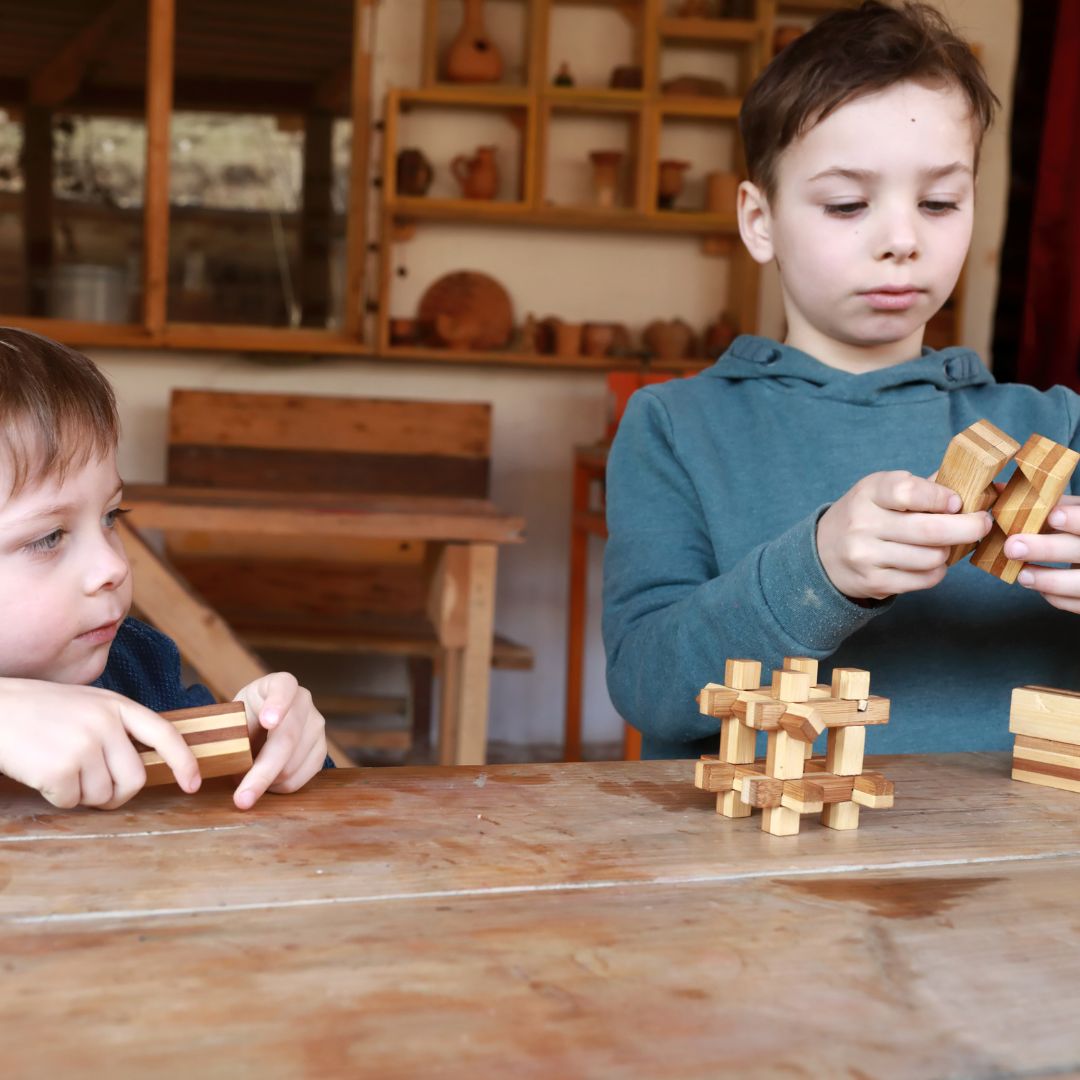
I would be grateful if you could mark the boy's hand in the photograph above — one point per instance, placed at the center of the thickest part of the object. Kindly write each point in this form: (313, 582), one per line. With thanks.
(891, 533)
(295, 746)
(73, 743)
(1061, 588)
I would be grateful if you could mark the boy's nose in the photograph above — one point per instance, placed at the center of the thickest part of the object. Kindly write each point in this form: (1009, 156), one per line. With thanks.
(108, 567)
(899, 240)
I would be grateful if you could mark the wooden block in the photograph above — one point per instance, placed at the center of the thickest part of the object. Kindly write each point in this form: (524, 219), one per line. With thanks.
(803, 796)
(804, 664)
(850, 683)
(1043, 468)
(973, 458)
(873, 791)
(841, 815)
(803, 721)
(834, 788)
(785, 757)
(761, 791)
(791, 685)
(1045, 713)
(218, 737)
(1047, 775)
(874, 710)
(713, 775)
(716, 700)
(742, 674)
(1025, 748)
(780, 821)
(760, 711)
(820, 691)
(737, 741)
(844, 754)
(730, 805)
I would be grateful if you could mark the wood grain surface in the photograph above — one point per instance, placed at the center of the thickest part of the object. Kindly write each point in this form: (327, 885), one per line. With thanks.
(543, 921)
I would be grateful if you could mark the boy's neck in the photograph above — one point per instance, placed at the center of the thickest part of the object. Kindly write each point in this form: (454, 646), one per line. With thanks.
(857, 359)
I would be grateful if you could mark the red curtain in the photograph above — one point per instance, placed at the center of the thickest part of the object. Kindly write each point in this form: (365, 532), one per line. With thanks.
(1050, 345)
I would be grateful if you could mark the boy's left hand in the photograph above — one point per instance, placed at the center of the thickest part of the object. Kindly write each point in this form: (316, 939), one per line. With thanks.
(1061, 588)
(295, 738)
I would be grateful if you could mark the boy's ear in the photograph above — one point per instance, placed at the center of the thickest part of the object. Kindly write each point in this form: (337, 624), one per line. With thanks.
(755, 222)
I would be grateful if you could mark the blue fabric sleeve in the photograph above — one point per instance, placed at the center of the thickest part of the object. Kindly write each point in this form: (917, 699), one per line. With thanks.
(672, 615)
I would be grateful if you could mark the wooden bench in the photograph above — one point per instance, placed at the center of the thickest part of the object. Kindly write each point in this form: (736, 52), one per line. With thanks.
(289, 593)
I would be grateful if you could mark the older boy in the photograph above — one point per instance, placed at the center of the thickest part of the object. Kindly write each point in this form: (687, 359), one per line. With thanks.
(78, 678)
(776, 504)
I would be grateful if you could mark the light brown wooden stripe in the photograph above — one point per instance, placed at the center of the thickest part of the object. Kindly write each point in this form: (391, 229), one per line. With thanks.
(200, 738)
(222, 708)
(1046, 768)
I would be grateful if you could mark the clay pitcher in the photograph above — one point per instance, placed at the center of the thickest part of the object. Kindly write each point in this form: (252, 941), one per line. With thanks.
(478, 175)
(472, 56)
(668, 340)
(670, 182)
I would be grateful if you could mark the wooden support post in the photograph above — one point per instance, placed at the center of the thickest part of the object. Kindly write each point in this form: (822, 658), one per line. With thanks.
(316, 218)
(159, 99)
(37, 207)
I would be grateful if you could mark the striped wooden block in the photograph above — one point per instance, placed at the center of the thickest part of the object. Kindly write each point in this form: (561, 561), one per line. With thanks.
(218, 737)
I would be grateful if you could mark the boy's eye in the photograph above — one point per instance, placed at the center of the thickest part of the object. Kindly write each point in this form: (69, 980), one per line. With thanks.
(112, 515)
(46, 543)
(939, 206)
(844, 209)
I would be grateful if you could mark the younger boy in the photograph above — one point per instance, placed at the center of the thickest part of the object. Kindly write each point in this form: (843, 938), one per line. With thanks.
(78, 678)
(778, 504)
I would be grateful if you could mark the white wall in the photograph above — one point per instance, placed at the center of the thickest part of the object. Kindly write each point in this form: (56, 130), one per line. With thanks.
(539, 415)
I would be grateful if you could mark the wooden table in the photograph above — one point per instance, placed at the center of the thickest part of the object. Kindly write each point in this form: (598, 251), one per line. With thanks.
(543, 921)
(465, 533)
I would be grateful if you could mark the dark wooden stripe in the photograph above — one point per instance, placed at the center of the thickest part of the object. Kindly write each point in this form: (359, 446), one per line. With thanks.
(330, 471)
(1044, 768)
(222, 708)
(199, 738)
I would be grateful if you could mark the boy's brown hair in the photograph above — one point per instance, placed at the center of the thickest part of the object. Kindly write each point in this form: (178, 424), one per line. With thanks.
(56, 409)
(846, 55)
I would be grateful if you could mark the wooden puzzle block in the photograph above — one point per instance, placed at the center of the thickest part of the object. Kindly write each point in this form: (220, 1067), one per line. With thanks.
(1046, 775)
(731, 805)
(218, 737)
(804, 664)
(841, 815)
(1054, 753)
(761, 711)
(844, 753)
(833, 788)
(713, 775)
(716, 700)
(873, 791)
(791, 685)
(803, 796)
(1043, 468)
(738, 742)
(851, 684)
(874, 710)
(784, 758)
(742, 674)
(803, 722)
(780, 821)
(760, 791)
(1044, 713)
(972, 460)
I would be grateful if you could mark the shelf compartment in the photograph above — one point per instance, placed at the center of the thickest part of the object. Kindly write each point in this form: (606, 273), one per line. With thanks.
(743, 31)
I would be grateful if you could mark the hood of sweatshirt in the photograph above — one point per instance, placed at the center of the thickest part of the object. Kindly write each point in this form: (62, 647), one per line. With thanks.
(751, 357)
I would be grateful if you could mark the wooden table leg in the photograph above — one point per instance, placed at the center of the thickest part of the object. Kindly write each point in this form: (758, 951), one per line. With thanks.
(461, 605)
(575, 631)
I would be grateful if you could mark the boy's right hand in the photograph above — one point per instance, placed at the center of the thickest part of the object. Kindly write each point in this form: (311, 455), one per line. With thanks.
(891, 533)
(73, 743)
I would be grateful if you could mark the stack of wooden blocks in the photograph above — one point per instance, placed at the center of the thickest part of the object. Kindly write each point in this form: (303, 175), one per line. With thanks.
(790, 782)
(1046, 724)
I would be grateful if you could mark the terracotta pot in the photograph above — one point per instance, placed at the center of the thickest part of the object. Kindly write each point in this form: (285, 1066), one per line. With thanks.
(568, 339)
(403, 331)
(472, 56)
(597, 338)
(478, 175)
(465, 310)
(414, 172)
(626, 77)
(720, 334)
(605, 165)
(670, 182)
(668, 340)
(721, 192)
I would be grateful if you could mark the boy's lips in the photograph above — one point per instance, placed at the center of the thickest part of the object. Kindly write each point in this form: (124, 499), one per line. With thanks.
(100, 634)
(892, 297)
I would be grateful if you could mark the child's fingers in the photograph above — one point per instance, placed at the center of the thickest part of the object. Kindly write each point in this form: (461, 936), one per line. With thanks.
(95, 780)
(1050, 582)
(1065, 517)
(126, 769)
(151, 730)
(268, 766)
(935, 530)
(296, 776)
(1063, 547)
(278, 692)
(905, 491)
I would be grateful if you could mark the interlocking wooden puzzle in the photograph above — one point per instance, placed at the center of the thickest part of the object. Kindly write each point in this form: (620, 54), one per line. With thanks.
(793, 712)
(972, 460)
(1046, 724)
(218, 737)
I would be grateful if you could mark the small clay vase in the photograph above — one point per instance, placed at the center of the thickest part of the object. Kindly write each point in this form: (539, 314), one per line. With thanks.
(597, 338)
(627, 77)
(605, 166)
(720, 334)
(472, 56)
(414, 173)
(564, 76)
(568, 340)
(670, 182)
(721, 192)
(527, 339)
(670, 339)
(403, 331)
(478, 175)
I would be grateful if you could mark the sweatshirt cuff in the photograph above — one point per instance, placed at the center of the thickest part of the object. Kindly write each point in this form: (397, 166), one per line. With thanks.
(801, 597)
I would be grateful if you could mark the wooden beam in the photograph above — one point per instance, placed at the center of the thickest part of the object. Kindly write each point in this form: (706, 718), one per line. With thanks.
(59, 79)
(359, 163)
(161, 15)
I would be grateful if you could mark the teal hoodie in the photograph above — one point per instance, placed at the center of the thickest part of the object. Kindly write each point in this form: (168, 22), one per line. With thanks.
(714, 488)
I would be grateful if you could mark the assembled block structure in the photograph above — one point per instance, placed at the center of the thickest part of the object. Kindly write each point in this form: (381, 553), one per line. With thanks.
(794, 711)
(1046, 724)
(218, 737)
(972, 460)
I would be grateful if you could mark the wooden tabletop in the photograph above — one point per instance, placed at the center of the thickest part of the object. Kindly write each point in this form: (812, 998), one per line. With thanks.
(281, 513)
(543, 921)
